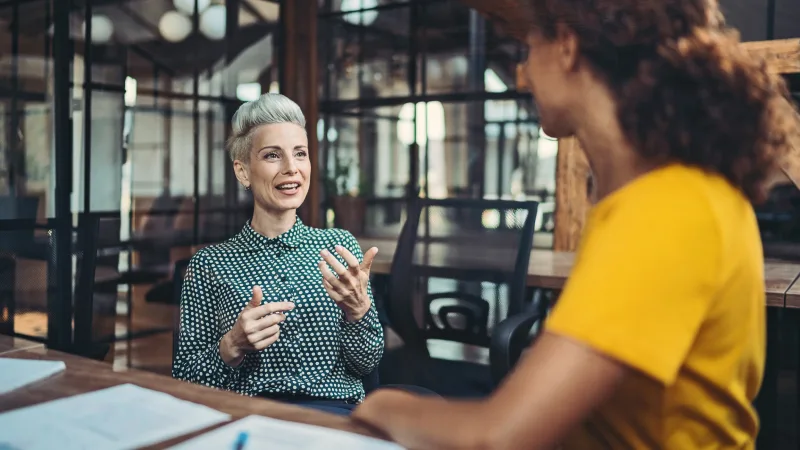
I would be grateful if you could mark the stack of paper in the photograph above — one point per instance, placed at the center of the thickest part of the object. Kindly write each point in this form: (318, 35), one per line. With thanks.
(15, 373)
(120, 417)
(272, 434)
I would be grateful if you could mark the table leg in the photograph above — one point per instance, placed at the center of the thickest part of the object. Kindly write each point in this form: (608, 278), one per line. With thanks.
(766, 402)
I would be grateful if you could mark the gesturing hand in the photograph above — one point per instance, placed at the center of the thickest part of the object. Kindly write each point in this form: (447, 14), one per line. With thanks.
(348, 288)
(255, 329)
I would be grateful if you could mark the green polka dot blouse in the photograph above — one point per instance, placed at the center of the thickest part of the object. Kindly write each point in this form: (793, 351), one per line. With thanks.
(318, 354)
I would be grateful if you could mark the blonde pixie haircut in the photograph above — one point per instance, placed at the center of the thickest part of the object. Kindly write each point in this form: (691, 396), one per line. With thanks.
(265, 110)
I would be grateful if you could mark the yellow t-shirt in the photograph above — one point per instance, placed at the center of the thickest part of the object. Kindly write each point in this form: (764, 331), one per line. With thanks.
(669, 280)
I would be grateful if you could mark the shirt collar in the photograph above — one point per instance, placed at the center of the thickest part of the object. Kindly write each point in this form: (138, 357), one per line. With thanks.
(291, 239)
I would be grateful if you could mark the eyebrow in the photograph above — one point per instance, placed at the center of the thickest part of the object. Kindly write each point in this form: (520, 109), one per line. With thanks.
(277, 147)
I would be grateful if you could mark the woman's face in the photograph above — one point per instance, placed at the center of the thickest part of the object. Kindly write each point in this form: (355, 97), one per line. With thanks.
(279, 169)
(550, 73)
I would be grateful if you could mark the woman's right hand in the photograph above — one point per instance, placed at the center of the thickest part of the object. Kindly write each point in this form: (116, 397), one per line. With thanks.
(254, 330)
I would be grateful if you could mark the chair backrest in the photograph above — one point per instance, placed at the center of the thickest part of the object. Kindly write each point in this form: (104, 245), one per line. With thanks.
(17, 208)
(85, 336)
(384, 217)
(460, 266)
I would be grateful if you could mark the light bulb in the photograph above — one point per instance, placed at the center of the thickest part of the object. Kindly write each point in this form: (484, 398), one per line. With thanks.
(174, 26)
(212, 22)
(187, 6)
(102, 29)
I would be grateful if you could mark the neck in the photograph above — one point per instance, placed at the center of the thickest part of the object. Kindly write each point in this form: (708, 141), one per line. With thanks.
(613, 160)
(273, 223)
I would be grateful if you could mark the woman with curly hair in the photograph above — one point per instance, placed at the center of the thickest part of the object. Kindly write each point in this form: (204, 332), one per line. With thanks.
(658, 338)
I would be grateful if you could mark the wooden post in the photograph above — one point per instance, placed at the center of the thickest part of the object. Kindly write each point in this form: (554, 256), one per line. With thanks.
(572, 194)
(299, 82)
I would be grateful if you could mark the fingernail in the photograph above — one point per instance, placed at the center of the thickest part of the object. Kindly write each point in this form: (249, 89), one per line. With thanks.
(324, 252)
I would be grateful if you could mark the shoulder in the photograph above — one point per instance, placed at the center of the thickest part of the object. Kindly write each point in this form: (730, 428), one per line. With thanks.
(331, 237)
(215, 256)
(335, 236)
(670, 200)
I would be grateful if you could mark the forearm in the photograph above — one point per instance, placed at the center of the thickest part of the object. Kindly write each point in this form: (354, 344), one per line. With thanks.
(362, 343)
(420, 422)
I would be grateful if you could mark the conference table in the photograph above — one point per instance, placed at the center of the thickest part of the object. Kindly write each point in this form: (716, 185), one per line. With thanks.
(549, 269)
(11, 344)
(85, 375)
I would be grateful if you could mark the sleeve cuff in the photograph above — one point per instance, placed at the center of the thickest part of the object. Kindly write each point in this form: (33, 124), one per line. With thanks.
(224, 368)
(367, 322)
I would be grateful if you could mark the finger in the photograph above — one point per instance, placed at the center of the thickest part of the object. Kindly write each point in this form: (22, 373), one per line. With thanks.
(266, 309)
(337, 267)
(332, 293)
(267, 342)
(257, 298)
(327, 275)
(263, 334)
(369, 258)
(352, 261)
(254, 326)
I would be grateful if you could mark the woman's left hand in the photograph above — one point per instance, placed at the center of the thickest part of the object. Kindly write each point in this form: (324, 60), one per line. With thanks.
(348, 288)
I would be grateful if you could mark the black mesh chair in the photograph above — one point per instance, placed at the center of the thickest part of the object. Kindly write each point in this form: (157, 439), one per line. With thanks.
(460, 267)
(510, 339)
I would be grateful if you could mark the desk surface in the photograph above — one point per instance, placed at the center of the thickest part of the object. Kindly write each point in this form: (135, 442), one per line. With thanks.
(793, 294)
(85, 375)
(9, 344)
(549, 269)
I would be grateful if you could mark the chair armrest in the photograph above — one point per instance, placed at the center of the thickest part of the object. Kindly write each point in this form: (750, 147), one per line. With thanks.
(509, 339)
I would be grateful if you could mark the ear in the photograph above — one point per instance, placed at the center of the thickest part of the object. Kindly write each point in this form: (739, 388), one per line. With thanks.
(242, 172)
(567, 47)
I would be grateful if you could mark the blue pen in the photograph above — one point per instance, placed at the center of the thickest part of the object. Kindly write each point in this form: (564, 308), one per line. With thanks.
(240, 441)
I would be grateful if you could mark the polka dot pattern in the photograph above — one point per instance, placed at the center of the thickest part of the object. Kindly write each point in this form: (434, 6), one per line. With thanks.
(318, 353)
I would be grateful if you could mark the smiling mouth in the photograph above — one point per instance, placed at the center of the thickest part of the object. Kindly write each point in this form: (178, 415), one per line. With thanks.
(288, 186)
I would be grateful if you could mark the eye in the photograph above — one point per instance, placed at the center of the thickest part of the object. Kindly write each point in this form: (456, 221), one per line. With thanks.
(271, 155)
(300, 154)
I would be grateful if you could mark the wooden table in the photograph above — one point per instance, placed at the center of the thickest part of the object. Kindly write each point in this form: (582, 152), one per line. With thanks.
(10, 344)
(793, 300)
(85, 375)
(549, 269)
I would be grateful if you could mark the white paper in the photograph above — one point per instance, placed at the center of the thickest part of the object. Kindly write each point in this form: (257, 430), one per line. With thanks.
(273, 434)
(120, 417)
(16, 372)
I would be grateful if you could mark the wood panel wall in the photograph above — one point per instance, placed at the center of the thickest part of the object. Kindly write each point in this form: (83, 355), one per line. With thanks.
(298, 81)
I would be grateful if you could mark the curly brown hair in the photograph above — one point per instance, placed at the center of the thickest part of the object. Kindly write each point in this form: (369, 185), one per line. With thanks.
(685, 89)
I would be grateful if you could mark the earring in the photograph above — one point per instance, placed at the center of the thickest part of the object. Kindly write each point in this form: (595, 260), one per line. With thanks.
(247, 188)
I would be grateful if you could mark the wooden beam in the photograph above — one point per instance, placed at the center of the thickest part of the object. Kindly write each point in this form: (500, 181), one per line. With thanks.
(299, 82)
(782, 56)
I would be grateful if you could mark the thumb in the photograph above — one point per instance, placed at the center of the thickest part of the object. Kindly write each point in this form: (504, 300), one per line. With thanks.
(257, 298)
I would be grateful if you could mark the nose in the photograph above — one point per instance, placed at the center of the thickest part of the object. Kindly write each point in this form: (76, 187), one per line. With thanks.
(289, 166)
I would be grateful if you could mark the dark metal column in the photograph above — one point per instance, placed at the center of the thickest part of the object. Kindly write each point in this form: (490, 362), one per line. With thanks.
(413, 59)
(59, 300)
(770, 19)
(229, 108)
(16, 158)
(196, 133)
(476, 145)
